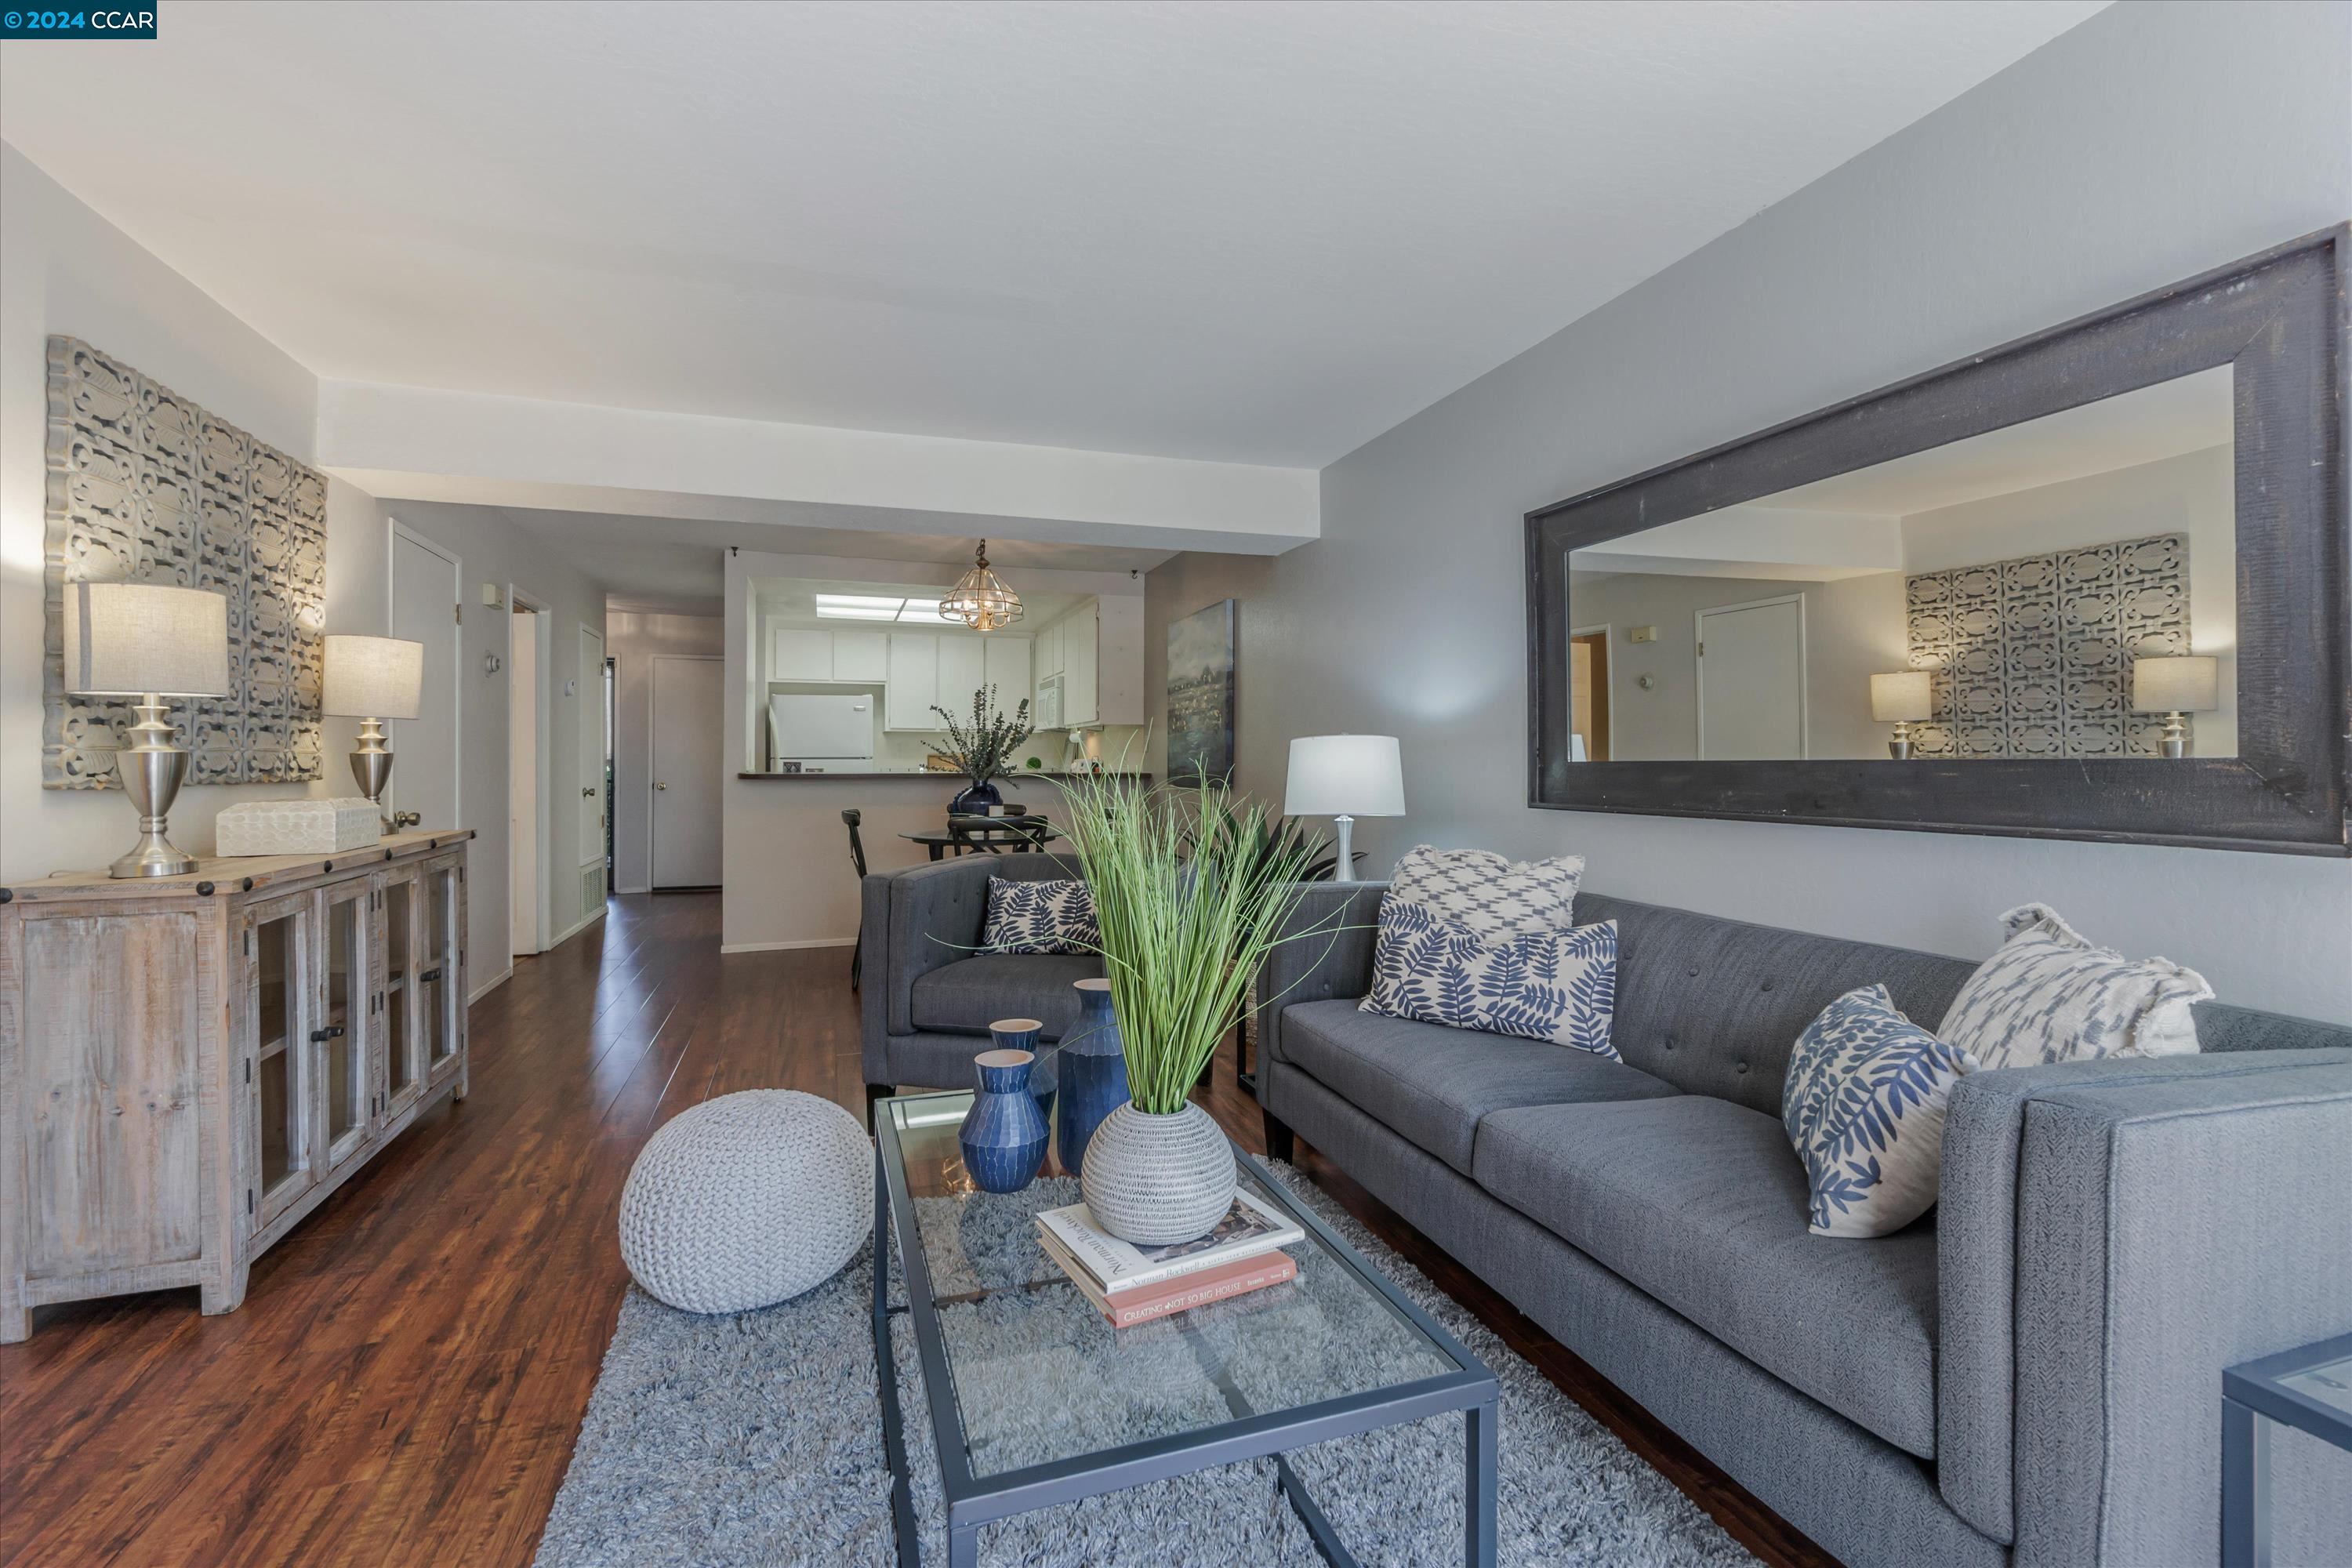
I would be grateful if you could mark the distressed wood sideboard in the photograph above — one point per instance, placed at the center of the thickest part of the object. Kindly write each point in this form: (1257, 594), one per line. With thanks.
(190, 1065)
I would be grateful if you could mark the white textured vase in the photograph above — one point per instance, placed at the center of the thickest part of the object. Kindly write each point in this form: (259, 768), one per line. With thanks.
(1153, 1180)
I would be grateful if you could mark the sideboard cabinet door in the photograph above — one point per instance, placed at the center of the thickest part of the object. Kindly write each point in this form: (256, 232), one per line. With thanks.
(441, 986)
(279, 949)
(401, 911)
(347, 1017)
(110, 1090)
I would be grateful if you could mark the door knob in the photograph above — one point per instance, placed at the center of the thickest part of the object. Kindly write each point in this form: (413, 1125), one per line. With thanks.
(400, 819)
(588, 791)
(658, 784)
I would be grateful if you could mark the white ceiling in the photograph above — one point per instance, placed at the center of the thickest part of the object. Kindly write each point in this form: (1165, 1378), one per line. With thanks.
(1247, 232)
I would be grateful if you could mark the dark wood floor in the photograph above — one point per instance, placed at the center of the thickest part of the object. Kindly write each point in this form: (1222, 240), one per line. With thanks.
(405, 1377)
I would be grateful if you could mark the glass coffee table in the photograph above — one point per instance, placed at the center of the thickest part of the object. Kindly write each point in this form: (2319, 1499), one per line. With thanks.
(1034, 1400)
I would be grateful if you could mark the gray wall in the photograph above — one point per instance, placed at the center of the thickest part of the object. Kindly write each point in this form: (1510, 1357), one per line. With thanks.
(2149, 143)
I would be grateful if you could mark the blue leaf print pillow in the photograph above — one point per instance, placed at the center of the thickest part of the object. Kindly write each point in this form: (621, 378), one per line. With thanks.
(1040, 917)
(1864, 1106)
(1555, 985)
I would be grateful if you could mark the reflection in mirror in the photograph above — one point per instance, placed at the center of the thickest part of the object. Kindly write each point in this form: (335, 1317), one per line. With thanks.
(2064, 587)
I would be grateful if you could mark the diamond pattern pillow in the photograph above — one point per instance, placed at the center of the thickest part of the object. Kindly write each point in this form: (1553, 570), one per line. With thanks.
(2048, 996)
(1492, 896)
(1864, 1106)
(1554, 985)
(1040, 917)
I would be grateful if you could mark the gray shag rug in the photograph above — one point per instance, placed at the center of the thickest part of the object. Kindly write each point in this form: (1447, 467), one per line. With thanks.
(755, 1438)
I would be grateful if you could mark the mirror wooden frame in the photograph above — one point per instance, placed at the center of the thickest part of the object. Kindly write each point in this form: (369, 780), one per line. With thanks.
(2279, 319)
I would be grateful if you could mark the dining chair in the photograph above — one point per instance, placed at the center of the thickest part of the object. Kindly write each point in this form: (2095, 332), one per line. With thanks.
(852, 820)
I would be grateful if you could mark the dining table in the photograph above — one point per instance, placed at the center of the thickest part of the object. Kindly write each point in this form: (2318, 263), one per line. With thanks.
(992, 836)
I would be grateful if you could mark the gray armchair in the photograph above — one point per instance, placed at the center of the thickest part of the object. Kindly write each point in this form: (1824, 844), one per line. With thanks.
(929, 996)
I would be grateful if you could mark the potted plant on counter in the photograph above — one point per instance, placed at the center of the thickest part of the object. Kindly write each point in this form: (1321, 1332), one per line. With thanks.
(1190, 890)
(982, 746)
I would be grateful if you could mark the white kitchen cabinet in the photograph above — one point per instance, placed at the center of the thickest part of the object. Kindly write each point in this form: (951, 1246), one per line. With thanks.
(801, 656)
(1079, 703)
(1050, 651)
(1118, 660)
(963, 670)
(914, 681)
(1006, 662)
(861, 655)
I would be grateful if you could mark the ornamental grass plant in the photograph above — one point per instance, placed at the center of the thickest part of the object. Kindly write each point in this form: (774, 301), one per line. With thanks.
(1189, 888)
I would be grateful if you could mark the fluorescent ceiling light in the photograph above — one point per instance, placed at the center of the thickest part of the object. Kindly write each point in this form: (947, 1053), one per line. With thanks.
(857, 607)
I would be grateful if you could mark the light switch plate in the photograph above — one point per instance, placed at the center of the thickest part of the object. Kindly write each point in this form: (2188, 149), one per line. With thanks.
(494, 597)
(1643, 633)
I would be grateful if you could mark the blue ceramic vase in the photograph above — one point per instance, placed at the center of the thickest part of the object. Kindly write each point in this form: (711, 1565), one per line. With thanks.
(1004, 1134)
(976, 800)
(1090, 1074)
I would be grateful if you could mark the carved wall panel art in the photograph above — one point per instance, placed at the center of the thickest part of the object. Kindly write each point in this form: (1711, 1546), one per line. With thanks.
(146, 487)
(2033, 656)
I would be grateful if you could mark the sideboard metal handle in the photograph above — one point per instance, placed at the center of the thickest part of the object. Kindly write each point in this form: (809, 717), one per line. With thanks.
(429, 976)
(332, 1032)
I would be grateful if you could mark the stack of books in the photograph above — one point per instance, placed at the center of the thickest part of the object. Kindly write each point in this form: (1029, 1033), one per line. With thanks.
(1131, 1284)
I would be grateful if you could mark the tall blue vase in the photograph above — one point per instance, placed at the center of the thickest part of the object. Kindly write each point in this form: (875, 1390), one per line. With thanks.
(1090, 1074)
(1004, 1134)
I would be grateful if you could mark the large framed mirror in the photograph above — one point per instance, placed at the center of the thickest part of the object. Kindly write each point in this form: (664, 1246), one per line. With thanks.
(2091, 585)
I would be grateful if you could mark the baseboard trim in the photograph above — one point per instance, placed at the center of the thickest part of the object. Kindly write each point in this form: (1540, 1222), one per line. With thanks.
(492, 983)
(646, 888)
(787, 946)
(576, 927)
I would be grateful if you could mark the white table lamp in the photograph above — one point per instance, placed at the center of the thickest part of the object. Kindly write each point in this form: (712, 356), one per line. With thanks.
(1900, 698)
(1344, 777)
(2176, 688)
(149, 641)
(373, 679)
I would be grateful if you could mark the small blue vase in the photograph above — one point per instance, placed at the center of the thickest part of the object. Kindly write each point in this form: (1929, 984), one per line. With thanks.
(1004, 1134)
(1090, 1074)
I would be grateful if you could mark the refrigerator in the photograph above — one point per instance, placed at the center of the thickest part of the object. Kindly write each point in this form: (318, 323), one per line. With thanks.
(822, 735)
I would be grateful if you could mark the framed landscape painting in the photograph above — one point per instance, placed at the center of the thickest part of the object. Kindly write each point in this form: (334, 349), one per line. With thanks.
(1200, 697)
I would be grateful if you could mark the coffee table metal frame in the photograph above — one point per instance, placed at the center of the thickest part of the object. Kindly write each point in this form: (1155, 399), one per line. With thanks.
(972, 1500)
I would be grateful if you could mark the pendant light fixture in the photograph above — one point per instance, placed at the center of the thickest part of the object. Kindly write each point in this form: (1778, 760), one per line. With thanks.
(980, 598)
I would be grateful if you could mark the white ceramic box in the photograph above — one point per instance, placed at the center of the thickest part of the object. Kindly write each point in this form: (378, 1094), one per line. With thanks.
(297, 827)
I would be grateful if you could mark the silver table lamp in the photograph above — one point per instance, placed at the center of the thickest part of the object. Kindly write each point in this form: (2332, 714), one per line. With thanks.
(1899, 700)
(149, 641)
(1344, 777)
(371, 679)
(2176, 688)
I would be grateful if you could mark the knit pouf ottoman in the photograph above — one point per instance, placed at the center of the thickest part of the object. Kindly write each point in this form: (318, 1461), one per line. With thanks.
(746, 1200)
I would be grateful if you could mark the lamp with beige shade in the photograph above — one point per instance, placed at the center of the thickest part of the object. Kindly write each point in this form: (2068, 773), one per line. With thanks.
(1901, 699)
(2176, 688)
(373, 679)
(149, 641)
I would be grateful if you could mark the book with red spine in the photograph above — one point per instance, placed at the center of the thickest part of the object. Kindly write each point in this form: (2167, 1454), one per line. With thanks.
(1143, 1304)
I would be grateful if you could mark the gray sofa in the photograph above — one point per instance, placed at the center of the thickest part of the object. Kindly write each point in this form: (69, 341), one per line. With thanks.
(2029, 1374)
(927, 998)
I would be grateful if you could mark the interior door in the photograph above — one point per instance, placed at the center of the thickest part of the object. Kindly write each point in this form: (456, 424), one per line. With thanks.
(1751, 680)
(685, 747)
(424, 596)
(590, 694)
